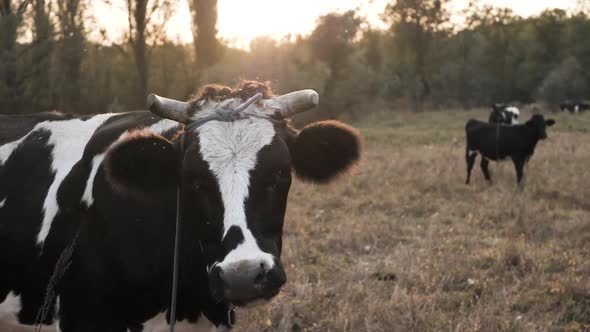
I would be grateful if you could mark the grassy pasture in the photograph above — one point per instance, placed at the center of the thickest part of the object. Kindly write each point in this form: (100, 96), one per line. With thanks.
(404, 245)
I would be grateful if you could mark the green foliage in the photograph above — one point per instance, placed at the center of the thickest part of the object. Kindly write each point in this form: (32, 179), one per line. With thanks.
(11, 16)
(422, 60)
(332, 38)
(565, 82)
(332, 42)
(41, 53)
(417, 27)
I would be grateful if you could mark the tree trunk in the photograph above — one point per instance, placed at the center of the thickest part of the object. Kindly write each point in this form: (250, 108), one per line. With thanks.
(204, 28)
(41, 58)
(140, 50)
(141, 63)
(9, 22)
(330, 103)
(70, 13)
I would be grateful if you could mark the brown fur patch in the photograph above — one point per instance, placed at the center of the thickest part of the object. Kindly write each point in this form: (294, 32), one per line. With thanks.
(243, 90)
(325, 150)
(142, 163)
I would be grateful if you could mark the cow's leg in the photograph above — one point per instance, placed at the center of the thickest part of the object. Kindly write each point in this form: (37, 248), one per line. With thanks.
(470, 157)
(519, 166)
(485, 168)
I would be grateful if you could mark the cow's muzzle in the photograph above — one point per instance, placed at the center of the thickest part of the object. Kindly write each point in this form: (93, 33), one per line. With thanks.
(245, 281)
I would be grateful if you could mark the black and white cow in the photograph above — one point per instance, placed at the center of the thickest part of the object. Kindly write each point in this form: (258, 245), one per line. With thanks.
(496, 142)
(574, 107)
(503, 114)
(110, 182)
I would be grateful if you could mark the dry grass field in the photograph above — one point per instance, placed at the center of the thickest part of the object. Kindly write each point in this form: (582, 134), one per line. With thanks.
(405, 245)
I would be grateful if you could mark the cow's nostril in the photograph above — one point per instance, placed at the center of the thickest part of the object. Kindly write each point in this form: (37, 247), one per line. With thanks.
(261, 274)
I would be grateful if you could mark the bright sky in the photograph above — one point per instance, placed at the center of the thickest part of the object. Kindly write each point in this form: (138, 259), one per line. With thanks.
(240, 21)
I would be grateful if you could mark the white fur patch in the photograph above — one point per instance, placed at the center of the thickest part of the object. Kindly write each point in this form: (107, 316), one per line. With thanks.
(515, 114)
(163, 126)
(87, 198)
(231, 149)
(68, 140)
(471, 152)
(6, 149)
(2, 203)
(10, 307)
(159, 127)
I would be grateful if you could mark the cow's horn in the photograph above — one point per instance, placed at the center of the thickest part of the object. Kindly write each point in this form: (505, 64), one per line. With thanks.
(168, 108)
(297, 102)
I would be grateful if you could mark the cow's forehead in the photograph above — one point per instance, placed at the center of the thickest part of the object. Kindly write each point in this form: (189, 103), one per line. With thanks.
(234, 140)
(231, 151)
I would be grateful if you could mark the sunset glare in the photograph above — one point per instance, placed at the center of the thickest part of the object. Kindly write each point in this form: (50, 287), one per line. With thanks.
(241, 21)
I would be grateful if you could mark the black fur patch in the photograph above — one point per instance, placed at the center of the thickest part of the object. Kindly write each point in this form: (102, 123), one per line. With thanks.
(324, 150)
(143, 163)
(233, 238)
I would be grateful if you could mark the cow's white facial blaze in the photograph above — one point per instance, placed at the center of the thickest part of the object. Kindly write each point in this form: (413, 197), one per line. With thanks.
(231, 149)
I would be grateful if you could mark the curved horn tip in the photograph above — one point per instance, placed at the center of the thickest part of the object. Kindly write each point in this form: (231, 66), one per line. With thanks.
(152, 98)
(314, 97)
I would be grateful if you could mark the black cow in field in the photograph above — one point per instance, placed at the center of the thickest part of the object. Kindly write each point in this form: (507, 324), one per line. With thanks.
(104, 188)
(504, 114)
(498, 142)
(574, 107)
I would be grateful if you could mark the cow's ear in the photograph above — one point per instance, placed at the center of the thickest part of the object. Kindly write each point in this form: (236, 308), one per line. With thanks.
(324, 150)
(549, 122)
(142, 163)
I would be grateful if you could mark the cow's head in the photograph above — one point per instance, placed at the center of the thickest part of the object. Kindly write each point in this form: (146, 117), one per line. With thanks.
(235, 174)
(504, 114)
(512, 115)
(539, 124)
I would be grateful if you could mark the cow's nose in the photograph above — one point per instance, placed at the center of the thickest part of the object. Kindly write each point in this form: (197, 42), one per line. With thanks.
(246, 280)
(244, 274)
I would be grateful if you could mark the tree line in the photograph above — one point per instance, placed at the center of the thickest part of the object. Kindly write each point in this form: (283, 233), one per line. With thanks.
(423, 60)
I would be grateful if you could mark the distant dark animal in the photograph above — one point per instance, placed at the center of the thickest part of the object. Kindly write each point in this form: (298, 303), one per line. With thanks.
(504, 114)
(499, 142)
(574, 107)
(108, 184)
